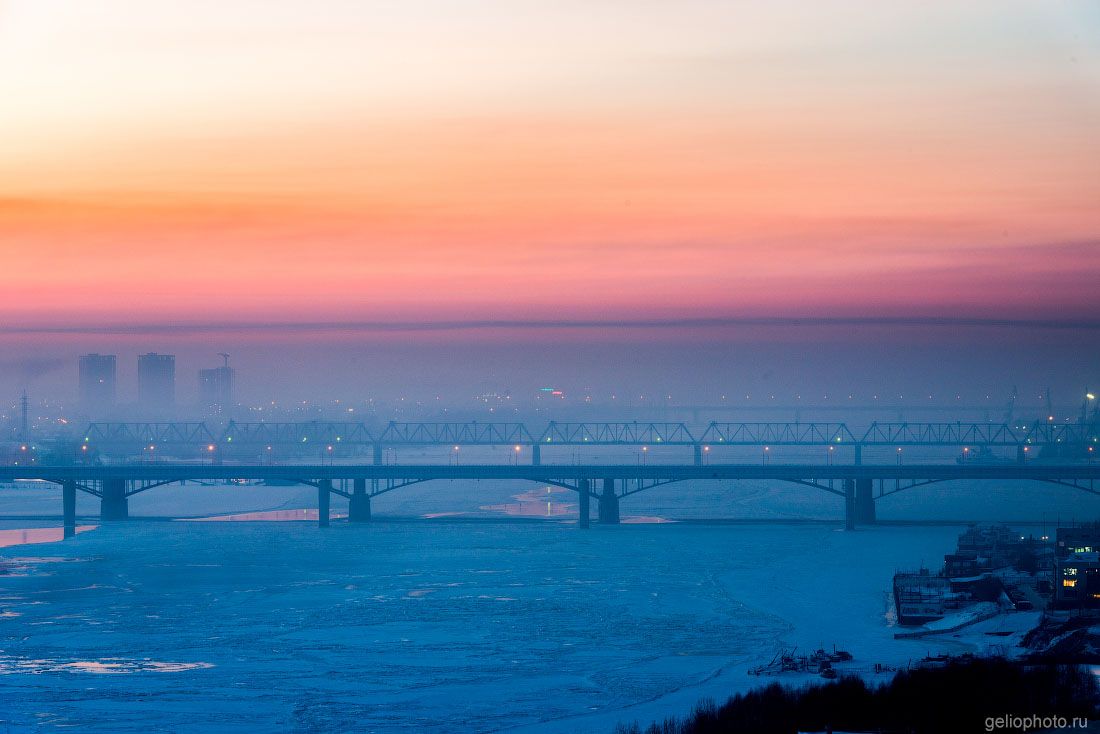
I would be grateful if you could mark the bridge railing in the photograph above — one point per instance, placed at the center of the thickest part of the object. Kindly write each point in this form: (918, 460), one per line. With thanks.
(940, 434)
(170, 433)
(777, 434)
(473, 433)
(260, 433)
(1051, 434)
(621, 433)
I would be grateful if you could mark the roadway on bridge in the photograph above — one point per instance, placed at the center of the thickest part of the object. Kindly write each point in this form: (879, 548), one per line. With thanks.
(160, 472)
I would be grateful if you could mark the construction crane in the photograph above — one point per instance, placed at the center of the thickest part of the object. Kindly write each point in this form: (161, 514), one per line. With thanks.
(1089, 398)
(24, 424)
(1010, 407)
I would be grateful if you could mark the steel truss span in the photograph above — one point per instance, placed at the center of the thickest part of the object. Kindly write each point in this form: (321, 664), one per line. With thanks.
(309, 435)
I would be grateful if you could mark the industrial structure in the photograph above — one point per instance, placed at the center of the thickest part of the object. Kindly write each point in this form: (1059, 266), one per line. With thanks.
(216, 387)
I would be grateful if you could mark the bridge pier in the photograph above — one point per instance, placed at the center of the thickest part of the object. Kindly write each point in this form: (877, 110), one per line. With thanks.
(324, 490)
(849, 504)
(609, 504)
(584, 510)
(377, 454)
(698, 454)
(359, 504)
(68, 507)
(1021, 455)
(858, 459)
(865, 502)
(114, 505)
(536, 455)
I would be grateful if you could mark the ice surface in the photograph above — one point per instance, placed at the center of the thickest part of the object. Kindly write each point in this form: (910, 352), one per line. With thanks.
(446, 624)
(438, 625)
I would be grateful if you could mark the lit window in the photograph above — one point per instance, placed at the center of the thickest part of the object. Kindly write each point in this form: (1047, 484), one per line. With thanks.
(1070, 572)
(1070, 583)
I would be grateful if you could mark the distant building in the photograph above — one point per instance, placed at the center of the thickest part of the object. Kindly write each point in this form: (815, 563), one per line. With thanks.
(1077, 567)
(156, 381)
(97, 381)
(993, 546)
(920, 597)
(216, 388)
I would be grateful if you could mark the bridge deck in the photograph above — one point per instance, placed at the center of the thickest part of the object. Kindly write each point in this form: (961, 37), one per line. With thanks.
(176, 472)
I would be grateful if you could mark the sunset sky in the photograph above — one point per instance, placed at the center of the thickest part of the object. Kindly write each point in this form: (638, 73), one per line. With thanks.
(427, 160)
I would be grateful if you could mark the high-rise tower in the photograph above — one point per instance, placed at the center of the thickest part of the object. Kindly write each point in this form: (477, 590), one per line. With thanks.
(156, 381)
(97, 381)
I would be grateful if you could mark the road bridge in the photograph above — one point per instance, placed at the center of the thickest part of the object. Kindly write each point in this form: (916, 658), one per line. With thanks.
(607, 484)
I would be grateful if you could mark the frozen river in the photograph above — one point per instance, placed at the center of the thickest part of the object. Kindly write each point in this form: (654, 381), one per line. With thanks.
(440, 625)
(471, 621)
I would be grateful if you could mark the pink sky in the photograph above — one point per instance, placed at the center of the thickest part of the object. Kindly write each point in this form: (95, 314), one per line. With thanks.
(369, 160)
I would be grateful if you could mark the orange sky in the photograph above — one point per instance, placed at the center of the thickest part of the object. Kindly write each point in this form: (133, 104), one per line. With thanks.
(349, 160)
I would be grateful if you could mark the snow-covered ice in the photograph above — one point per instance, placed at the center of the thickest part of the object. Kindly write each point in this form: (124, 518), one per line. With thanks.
(439, 624)
(434, 624)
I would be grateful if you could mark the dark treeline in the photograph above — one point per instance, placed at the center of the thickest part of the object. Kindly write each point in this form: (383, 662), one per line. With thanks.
(959, 697)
